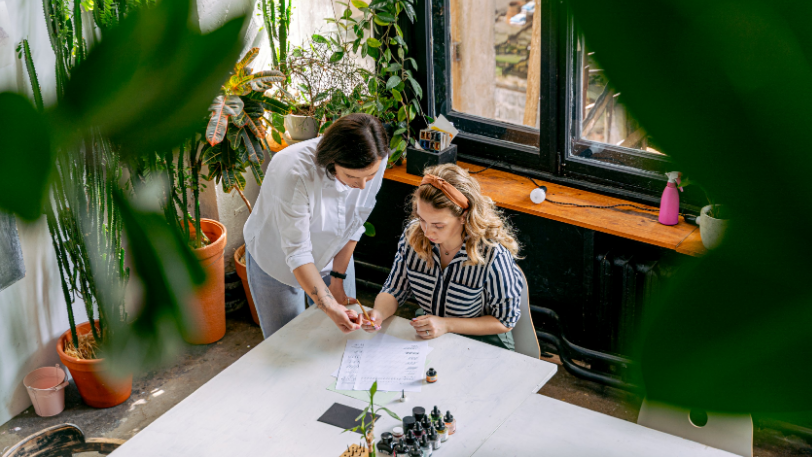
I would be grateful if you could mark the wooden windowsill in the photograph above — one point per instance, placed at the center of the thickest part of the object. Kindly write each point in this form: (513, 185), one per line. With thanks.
(512, 191)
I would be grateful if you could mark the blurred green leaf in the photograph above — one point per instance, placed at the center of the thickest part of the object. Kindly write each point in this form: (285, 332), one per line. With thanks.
(26, 157)
(720, 89)
(148, 83)
(369, 229)
(168, 271)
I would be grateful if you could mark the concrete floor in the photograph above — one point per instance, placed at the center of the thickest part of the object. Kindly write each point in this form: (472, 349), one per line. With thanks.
(156, 392)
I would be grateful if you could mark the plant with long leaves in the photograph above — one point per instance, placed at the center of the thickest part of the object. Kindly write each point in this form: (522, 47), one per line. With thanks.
(239, 115)
(67, 158)
(368, 430)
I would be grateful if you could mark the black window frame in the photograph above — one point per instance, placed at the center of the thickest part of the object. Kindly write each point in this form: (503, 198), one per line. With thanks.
(483, 141)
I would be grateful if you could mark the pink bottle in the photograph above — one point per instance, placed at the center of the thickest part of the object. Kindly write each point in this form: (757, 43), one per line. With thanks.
(669, 203)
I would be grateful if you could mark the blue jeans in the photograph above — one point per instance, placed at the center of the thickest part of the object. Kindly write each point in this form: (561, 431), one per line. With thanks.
(278, 303)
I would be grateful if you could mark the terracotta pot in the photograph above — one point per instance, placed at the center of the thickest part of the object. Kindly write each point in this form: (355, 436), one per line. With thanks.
(96, 385)
(243, 274)
(207, 315)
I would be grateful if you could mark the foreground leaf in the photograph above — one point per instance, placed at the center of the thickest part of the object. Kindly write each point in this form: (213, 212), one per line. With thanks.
(26, 157)
(720, 93)
(148, 83)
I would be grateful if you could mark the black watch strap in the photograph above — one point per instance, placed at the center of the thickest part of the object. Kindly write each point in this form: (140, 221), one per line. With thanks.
(338, 275)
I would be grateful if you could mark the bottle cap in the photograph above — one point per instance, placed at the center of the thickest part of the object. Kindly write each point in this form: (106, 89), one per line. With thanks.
(418, 412)
(440, 426)
(397, 432)
(408, 423)
(431, 372)
(424, 441)
(415, 452)
(436, 412)
(386, 437)
(448, 416)
(418, 428)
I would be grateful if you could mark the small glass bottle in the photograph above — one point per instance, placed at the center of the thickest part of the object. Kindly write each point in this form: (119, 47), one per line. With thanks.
(425, 446)
(434, 438)
(442, 431)
(431, 375)
(419, 431)
(436, 415)
(450, 423)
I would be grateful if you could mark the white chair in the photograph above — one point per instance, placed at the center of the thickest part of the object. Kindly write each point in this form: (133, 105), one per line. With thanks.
(728, 432)
(524, 333)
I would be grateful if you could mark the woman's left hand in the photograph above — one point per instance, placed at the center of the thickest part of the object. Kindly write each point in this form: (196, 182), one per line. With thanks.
(337, 289)
(429, 326)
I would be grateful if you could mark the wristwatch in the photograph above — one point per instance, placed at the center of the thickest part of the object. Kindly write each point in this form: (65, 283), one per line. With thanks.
(338, 275)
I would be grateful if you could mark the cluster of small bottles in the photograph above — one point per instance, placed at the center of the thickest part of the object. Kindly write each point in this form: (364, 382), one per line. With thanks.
(420, 436)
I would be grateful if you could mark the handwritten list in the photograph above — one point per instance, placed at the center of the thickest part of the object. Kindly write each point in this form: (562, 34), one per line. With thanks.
(395, 363)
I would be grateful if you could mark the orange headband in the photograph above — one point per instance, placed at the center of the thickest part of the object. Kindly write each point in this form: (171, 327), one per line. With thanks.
(449, 190)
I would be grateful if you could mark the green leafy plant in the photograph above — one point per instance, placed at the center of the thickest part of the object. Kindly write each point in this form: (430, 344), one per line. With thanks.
(110, 111)
(719, 92)
(716, 210)
(394, 93)
(239, 115)
(368, 430)
(324, 88)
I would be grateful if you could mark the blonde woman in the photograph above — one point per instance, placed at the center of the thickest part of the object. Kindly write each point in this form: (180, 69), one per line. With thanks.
(457, 256)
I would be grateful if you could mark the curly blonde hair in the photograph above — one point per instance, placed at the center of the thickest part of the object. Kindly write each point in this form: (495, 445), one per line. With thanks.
(484, 224)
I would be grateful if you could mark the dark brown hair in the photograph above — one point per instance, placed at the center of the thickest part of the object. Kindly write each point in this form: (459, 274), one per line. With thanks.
(355, 141)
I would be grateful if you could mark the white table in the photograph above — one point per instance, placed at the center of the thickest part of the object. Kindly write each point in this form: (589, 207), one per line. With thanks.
(268, 402)
(543, 426)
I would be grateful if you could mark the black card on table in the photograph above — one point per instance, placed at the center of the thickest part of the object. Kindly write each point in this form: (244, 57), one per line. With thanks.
(343, 416)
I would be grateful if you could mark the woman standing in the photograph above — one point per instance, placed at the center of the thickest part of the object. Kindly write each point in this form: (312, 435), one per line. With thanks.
(457, 257)
(309, 215)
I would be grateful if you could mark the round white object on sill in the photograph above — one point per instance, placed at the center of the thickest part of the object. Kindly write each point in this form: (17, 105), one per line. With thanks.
(538, 195)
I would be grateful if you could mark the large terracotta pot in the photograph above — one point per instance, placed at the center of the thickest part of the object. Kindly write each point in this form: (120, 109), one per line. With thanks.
(207, 314)
(96, 385)
(243, 274)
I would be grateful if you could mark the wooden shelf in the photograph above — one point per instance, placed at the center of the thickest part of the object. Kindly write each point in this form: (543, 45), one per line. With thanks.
(512, 191)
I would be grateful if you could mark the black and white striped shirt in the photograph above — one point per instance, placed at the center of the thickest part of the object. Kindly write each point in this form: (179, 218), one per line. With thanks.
(493, 288)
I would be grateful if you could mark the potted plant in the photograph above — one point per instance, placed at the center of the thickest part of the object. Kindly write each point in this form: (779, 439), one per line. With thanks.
(240, 115)
(713, 222)
(392, 92)
(86, 231)
(368, 430)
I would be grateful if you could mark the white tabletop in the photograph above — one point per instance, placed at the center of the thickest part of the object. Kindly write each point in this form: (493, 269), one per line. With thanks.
(268, 401)
(545, 426)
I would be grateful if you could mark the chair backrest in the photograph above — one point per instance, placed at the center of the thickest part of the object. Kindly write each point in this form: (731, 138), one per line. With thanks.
(524, 333)
(61, 440)
(728, 432)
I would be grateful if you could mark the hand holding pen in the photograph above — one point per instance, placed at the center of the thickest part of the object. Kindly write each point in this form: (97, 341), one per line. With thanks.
(372, 321)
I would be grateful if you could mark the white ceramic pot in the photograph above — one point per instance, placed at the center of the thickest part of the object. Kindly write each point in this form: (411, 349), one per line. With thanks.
(301, 128)
(711, 230)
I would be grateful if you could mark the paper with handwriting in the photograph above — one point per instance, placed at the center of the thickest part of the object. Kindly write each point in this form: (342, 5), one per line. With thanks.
(395, 363)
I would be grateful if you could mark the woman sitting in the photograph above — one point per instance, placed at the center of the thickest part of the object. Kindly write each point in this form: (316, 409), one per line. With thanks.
(456, 256)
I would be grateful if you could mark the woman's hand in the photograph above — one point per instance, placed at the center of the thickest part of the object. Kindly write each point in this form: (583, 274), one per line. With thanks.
(429, 326)
(337, 289)
(345, 319)
(375, 324)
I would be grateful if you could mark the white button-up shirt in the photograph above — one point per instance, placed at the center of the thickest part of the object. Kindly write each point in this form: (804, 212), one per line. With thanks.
(304, 216)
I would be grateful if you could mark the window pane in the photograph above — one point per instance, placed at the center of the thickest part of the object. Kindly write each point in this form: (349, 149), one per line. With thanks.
(600, 115)
(494, 68)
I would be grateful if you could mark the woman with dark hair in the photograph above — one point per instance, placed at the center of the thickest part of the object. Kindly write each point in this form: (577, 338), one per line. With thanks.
(308, 217)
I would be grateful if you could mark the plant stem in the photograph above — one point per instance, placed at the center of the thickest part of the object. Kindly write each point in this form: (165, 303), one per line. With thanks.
(195, 166)
(244, 199)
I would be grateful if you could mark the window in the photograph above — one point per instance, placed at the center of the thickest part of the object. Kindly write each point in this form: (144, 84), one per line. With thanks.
(527, 94)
